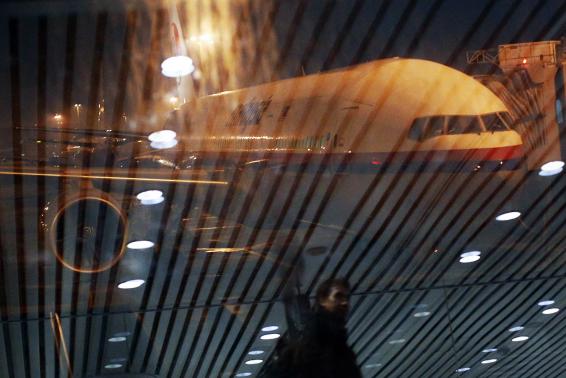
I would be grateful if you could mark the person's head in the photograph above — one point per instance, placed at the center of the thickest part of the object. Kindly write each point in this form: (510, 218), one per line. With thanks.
(333, 295)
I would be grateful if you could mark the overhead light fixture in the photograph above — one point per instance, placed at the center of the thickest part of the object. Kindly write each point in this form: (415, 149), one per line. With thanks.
(244, 374)
(489, 350)
(550, 173)
(113, 366)
(163, 145)
(550, 311)
(462, 370)
(270, 328)
(140, 244)
(516, 329)
(469, 257)
(270, 336)
(508, 216)
(253, 362)
(117, 339)
(546, 302)
(398, 341)
(150, 197)
(255, 352)
(520, 338)
(422, 314)
(162, 136)
(177, 66)
(552, 165)
(131, 284)
(371, 366)
(490, 361)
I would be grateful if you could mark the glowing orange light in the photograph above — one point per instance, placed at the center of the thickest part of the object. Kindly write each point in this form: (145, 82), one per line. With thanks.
(524, 60)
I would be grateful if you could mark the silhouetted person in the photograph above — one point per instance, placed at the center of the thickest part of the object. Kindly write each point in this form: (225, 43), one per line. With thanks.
(315, 345)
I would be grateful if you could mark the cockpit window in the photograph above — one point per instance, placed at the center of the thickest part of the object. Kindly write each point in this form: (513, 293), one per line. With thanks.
(430, 127)
(495, 122)
(463, 125)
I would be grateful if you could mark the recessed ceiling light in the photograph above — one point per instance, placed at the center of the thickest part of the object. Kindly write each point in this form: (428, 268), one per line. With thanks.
(113, 366)
(253, 362)
(244, 374)
(516, 329)
(117, 339)
(398, 341)
(255, 352)
(177, 66)
(550, 173)
(270, 336)
(140, 244)
(546, 303)
(520, 338)
(552, 165)
(462, 370)
(131, 284)
(269, 328)
(489, 350)
(508, 216)
(422, 314)
(490, 361)
(550, 311)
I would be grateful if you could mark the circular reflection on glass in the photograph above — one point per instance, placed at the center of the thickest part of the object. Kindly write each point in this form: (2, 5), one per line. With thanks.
(177, 66)
(516, 329)
(253, 362)
(113, 366)
(422, 314)
(489, 350)
(149, 195)
(269, 328)
(131, 284)
(255, 352)
(552, 165)
(140, 244)
(244, 374)
(550, 173)
(117, 339)
(546, 303)
(508, 216)
(520, 338)
(550, 311)
(490, 361)
(270, 336)
(462, 370)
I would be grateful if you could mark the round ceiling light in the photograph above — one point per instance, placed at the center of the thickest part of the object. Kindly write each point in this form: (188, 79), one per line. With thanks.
(150, 197)
(269, 328)
(270, 336)
(253, 362)
(162, 136)
(117, 339)
(552, 165)
(490, 361)
(550, 311)
(550, 173)
(140, 244)
(177, 66)
(520, 338)
(131, 284)
(508, 216)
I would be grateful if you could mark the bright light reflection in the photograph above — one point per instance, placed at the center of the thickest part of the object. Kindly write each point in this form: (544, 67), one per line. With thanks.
(520, 338)
(552, 165)
(269, 328)
(489, 350)
(253, 362)
(546, 303)
(490, 361)
(140, 244)
(550, 311)
(244, 374)
(117, 339)
(131, 284)
(508, 216)
(255, 352)
(516, 329)
(461, 370)
(177, 66)
(550, 173)
(163, 145)
(399, 341)
(113, 366)
(469, 259)
(162, 136)
(372, 366)
(421, 314)
(270, 336)
(150, 197)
